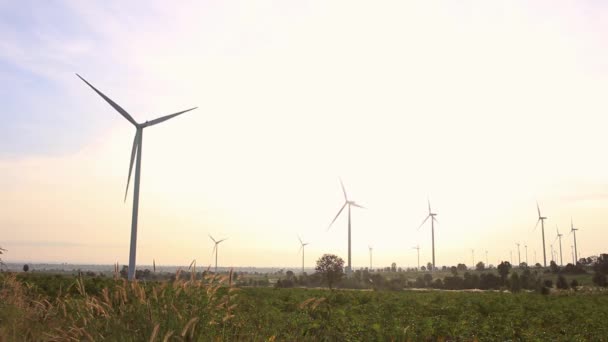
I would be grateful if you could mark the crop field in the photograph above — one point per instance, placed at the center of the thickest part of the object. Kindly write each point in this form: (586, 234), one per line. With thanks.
(44, 307)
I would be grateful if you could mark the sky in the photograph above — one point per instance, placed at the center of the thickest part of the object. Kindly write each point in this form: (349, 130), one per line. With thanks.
(481, 107)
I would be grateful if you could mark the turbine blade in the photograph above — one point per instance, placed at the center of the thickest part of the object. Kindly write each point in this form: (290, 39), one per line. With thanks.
(213, 250)
(423, 222)
(343, 190)
(338, 214)
(429, 201)
(166, 117)
(300, 240)
(536, 225)
(538, 208)
(134, 150)
(212, 238)
(112, 103)
(357, 205)
(222, 240)
(436, 220)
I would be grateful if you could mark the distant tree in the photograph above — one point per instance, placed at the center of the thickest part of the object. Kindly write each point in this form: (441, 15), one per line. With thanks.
(480, 266)
(1, 252)
(429, 266)
(523, 265)
(26, 268)
(331, 268)
(422, 268)
(454, 270)
(124, 271)
(538, 265)
(548, 283)
(503, 269)
(461, 267)
(561, 282)
(393, 267)
(553, 267)
(428, 279)
(515, 282)
(444, 268)
(289, 274)
(574, 284)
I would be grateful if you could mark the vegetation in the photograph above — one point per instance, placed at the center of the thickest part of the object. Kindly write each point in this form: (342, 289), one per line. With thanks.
(45, 307)
(331, 268)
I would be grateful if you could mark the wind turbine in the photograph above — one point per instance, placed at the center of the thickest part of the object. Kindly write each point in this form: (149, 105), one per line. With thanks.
(572, 251)
(559, 236)
(518, 255)
(135, 152)
(370, 257)
(418, 249)
(473, 257)
(526, 247)
(302, 244)
(215, 249)
(349, 203)
(433, 220)
(541, 219)
(573, 231)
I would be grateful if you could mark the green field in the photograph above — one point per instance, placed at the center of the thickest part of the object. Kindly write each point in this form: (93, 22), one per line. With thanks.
(42, 307)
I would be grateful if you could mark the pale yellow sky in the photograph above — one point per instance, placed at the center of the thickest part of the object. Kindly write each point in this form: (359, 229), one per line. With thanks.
(485, 107)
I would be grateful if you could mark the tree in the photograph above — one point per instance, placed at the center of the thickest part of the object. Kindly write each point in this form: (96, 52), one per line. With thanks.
(561, 282)
(26, 268)
(480, 266)
(503, 270)
(454, 270)
(422, 268)
(553, 267)
(1, 250)
(461, 267)
(393, 267)
(331, 268)
(429, 266)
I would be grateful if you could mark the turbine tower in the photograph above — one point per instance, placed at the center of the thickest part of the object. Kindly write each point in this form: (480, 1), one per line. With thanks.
(135, 153)
(349, 204)
(473, 257)
(559, 236)
(526, 247)
(418, 249)
(302, 244)
(433, 220)
(518, 255)
(573, 231)
(541, 219)
(370, 257)
(215, 249)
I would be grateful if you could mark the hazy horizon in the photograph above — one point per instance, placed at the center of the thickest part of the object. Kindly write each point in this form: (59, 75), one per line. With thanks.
(484, 108)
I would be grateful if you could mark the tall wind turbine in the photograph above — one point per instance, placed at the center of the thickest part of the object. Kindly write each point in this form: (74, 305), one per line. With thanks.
(349, 204)
(418, 249)
(135, 152)
(215, 249)
(370, 257)
(302, 245)
(518, 255)
(559, 236)
(526, 247)
(573, 231)
(433, 220)
(541, 219)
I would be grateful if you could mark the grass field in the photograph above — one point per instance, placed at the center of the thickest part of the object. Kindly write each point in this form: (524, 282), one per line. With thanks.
(39, 307)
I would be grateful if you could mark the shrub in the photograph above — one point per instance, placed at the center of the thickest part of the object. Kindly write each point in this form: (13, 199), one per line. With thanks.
(561, 283)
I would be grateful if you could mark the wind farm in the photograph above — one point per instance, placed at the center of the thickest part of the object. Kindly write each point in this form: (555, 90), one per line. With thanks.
(331, 122)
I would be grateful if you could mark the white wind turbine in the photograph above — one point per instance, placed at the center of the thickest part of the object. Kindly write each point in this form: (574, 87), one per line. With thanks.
(417, 248)
(573, 231)
(349, 204)
(541, 219)
(302, 245)
(433, 220)
(370, 257)
(135, 152)
(215, 248)
(559, 236)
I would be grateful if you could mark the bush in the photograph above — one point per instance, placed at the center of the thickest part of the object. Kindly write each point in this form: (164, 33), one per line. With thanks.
(561, 283)
(574, 284)
(548, 283)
